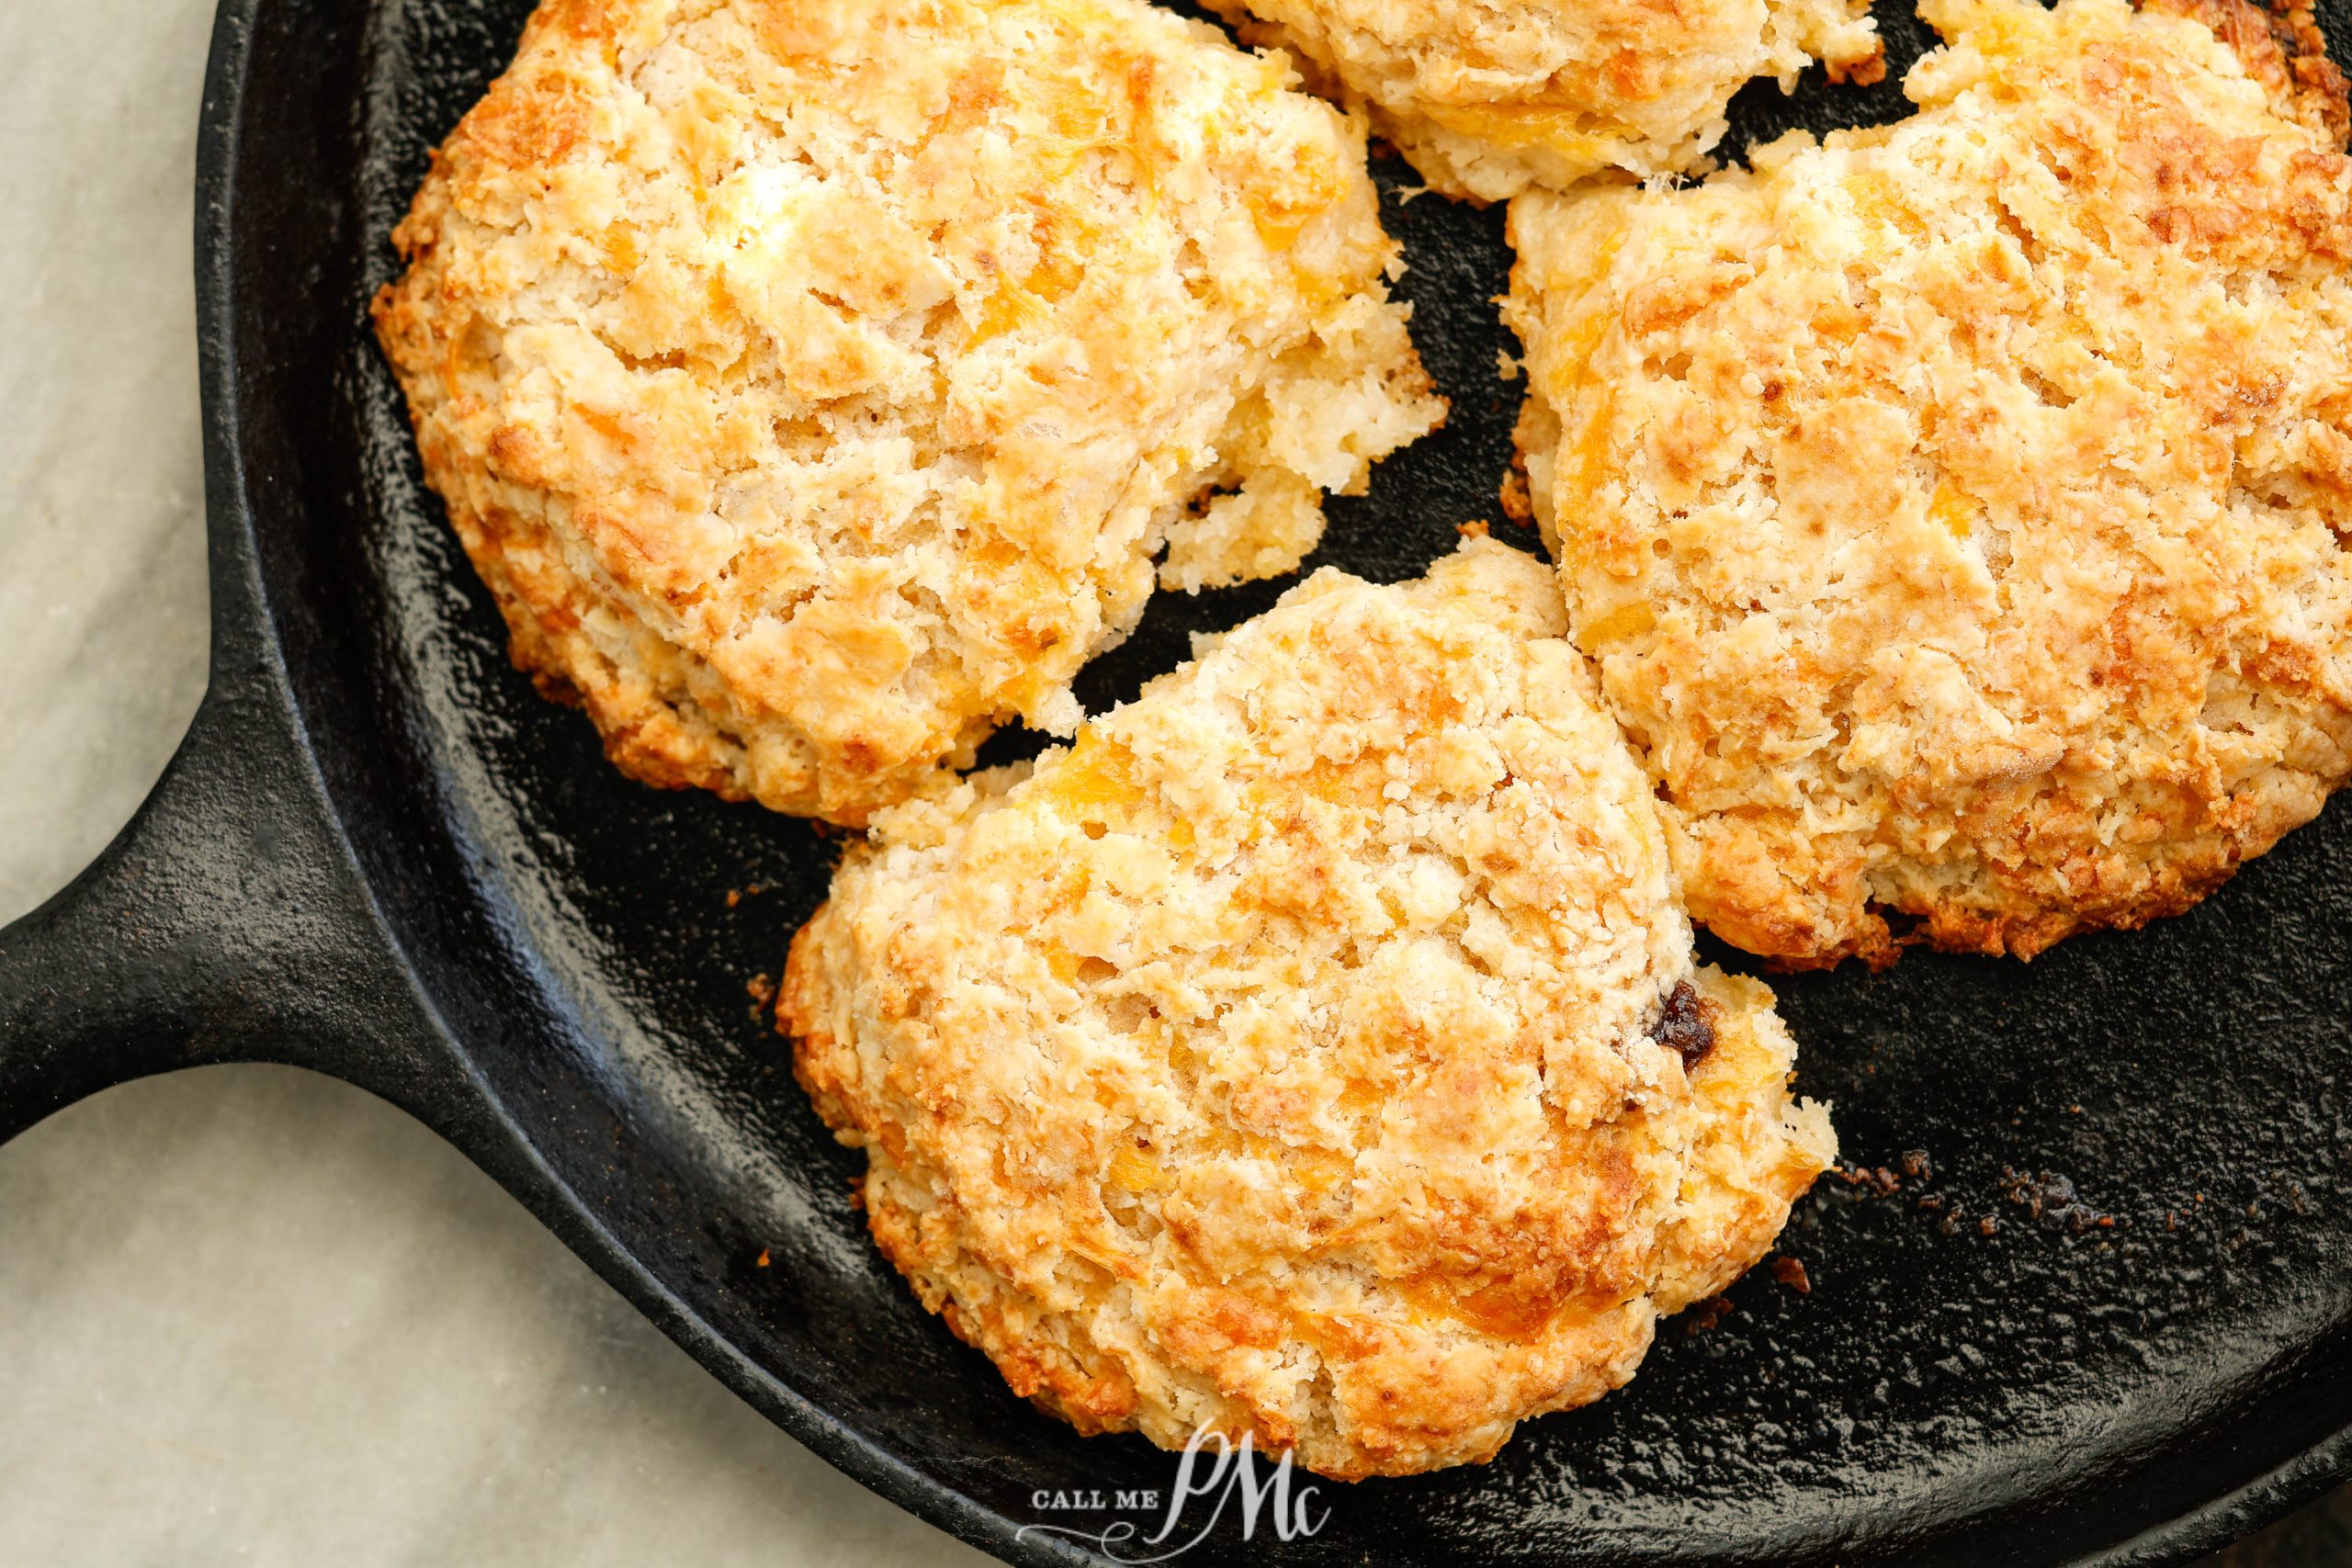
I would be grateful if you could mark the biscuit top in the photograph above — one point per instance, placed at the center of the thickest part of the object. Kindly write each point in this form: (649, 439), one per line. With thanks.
(1486, 99)
(1955, 509)
(833, 370)
(1302, 1051)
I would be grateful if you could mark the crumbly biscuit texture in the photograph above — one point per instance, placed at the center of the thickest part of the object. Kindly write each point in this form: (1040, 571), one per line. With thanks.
(814, 383)
(1488, 100)
(1302, 1052)
(1956, 512)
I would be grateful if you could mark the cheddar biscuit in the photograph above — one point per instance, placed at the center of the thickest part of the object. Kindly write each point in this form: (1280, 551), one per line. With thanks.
(814, 384)
(1955, 512)
(1315, 1049)
(1487, 100)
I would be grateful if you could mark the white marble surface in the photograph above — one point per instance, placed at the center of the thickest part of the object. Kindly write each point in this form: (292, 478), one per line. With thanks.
(248, 1315)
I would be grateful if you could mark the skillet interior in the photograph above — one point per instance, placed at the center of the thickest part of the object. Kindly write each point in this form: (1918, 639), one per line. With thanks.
(2046, 1391)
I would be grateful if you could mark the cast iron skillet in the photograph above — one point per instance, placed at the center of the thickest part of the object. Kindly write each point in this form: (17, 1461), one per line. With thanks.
(2106, 1320)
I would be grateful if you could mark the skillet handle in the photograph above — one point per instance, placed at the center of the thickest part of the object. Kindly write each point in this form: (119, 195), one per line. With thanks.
(225, 923)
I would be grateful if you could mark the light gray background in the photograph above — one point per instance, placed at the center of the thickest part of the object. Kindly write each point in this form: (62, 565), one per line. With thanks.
(247, 1314)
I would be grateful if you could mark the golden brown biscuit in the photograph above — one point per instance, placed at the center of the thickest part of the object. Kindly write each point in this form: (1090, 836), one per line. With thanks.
(1956, 511)
(813, 383)
(1302, 1053)
(1487, 100)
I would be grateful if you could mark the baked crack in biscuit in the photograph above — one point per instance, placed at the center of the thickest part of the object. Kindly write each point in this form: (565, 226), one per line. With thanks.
(1956, 511)
(1487, 100)
(1315, 1049)
(812, 383)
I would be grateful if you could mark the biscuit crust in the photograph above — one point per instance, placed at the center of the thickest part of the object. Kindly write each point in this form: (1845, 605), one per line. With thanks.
(1956, 512)
(1303, 1052)
(1488, 100)
(813, 383)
